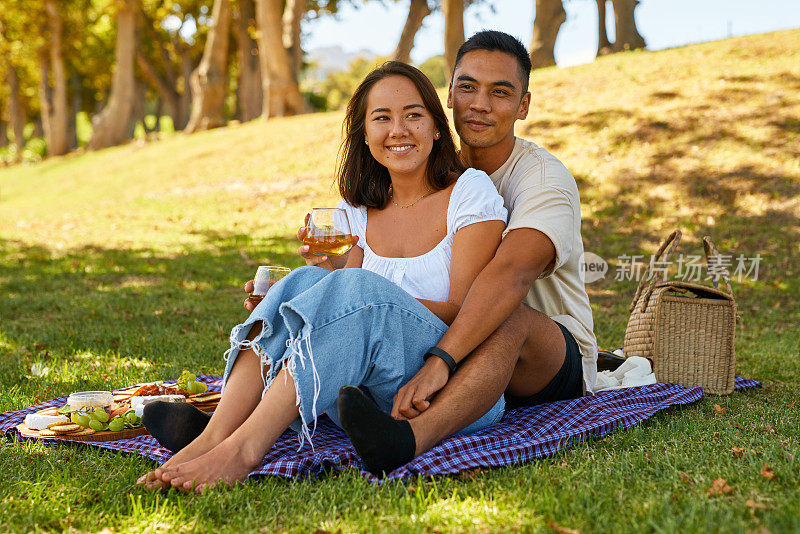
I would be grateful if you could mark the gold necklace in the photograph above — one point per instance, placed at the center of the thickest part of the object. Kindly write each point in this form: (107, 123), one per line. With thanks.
(391, 196)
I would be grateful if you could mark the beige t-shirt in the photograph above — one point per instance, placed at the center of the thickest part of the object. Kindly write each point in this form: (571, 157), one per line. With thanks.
(540, 193)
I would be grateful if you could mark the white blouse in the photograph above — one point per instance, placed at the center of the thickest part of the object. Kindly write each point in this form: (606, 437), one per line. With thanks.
(474, 199)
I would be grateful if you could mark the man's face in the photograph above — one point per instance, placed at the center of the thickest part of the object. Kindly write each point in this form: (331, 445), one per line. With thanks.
(486, 97)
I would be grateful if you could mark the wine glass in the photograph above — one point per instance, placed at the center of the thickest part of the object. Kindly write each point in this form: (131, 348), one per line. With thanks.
(328, 232)
(266, 277)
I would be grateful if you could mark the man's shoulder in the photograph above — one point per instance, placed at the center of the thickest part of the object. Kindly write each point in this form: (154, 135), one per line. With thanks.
(536, 166)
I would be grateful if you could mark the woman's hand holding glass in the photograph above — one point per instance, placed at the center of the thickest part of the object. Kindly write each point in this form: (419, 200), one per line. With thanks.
(326, 238)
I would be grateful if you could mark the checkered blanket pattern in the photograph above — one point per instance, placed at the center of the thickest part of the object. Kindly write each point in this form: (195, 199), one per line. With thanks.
(522, 435)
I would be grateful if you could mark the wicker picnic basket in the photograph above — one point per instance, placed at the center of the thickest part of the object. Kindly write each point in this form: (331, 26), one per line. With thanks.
(685, 329)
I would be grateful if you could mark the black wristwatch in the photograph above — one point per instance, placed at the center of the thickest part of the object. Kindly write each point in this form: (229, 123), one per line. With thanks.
(444, 356)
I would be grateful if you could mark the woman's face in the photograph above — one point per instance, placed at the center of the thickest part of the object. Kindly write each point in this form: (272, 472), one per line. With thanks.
(399, 129)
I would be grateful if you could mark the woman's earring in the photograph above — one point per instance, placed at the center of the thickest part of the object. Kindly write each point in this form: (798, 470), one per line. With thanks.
(366, 142)
(436, 135)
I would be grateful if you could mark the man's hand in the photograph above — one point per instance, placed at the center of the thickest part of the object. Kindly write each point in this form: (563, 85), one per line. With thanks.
(414, 398)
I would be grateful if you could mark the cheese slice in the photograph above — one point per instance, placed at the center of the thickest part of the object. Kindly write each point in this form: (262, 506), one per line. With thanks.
(37, 421)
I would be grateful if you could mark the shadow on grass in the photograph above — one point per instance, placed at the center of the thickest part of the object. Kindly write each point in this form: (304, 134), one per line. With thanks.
(128, 308)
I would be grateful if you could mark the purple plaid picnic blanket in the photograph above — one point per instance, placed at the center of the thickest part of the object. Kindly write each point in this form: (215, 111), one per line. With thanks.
(521, 435)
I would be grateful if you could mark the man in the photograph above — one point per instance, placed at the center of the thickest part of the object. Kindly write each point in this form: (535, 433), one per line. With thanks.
(525, 327)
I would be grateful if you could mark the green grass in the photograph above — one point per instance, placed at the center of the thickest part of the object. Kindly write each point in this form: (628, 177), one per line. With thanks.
(126, 265)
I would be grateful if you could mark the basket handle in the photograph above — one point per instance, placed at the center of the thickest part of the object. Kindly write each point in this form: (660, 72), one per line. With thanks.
(674, 238)
(712, 254)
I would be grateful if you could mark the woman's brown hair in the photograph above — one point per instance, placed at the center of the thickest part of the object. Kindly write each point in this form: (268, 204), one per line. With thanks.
(363, 181)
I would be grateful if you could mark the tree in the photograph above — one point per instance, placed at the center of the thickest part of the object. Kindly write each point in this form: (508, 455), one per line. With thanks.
(54, 103)
(16, 112)
(550, 15)
(453, 29)
(293, 15)
(281, 91)
(603, 44)
(249, 94)
(111, 124)
(417, 11)
(627, 35)
(209, 79)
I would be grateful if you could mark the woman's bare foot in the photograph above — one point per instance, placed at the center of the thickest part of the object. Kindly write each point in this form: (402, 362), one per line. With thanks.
(204, 443)
(228, 463)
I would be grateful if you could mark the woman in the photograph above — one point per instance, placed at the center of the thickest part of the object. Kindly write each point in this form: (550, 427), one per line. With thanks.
(425, 226)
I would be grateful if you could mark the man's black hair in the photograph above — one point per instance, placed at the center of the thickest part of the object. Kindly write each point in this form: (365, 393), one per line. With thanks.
(493, 40)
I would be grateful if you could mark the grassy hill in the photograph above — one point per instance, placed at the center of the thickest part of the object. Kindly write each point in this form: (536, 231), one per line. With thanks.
(125, 265)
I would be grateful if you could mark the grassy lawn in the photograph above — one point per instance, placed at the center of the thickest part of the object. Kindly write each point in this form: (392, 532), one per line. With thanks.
(125, 265)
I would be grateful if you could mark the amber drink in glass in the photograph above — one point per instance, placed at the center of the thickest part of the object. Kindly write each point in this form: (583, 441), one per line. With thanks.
(328, 232)
(266, 277)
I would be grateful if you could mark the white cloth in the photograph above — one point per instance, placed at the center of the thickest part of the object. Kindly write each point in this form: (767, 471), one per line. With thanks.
(473, 199)
(635, 371)
(540, 193)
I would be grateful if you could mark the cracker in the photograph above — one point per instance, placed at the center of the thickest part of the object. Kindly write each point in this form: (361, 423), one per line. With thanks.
(49, 411)
(122, 396)
(45, 433)
(63, 427)
(82, 432)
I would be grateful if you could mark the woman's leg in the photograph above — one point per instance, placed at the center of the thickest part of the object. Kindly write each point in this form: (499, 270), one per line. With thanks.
(240, 398)
(248, 369)
(232, 459)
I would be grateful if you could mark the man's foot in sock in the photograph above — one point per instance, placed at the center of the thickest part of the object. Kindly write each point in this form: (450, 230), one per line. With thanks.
(384, 443)
(174, 424)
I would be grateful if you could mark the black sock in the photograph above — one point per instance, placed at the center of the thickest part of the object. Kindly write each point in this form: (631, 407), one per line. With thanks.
(174, 424)
(384, 443)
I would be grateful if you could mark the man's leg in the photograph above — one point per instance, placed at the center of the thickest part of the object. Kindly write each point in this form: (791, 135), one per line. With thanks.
(522, 356)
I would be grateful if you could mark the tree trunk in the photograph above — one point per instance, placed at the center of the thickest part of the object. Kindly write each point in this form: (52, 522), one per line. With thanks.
(453, 30)
(280, 90)
(111, 125)
(603, 44)
(550, 15)
(293, 15)
(628, 37)
(57, 143)
(38, 128)
(249, 84)
(45, 96)
(167, 93)
(210, 79)
(77, 105)
(3, 133)
(417, 12)
(16, 113)
(185, 101)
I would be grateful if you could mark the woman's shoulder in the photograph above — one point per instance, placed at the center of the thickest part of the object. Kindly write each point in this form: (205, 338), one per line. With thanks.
(474, 185)
(474, 199)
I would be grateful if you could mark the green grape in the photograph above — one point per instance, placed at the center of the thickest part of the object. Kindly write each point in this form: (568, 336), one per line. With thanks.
(82, 420)
(116, 424)
(64, 410)
(101, 415)
(130, 416)
(94, 424)
(74, 417)
(201, 387)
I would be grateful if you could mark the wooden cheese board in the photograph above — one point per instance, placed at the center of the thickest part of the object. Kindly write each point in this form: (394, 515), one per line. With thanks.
(206, 401)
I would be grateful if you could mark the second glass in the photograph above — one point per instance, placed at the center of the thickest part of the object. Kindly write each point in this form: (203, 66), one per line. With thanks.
(266, 277)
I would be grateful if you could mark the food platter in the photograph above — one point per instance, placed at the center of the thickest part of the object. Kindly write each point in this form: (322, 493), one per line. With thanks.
(206, 401)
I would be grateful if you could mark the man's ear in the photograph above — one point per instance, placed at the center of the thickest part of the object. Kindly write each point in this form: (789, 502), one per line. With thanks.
(524, 104)
(450, 96)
